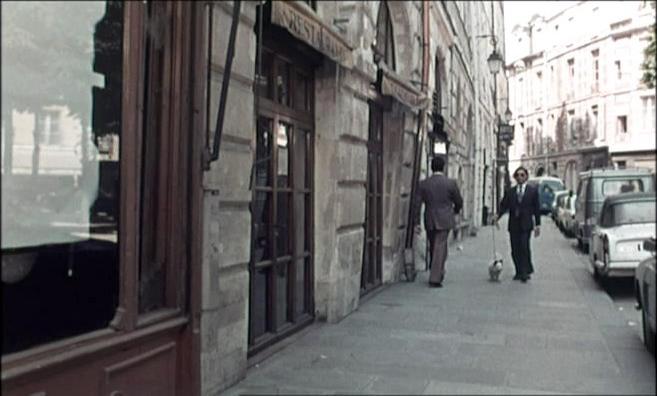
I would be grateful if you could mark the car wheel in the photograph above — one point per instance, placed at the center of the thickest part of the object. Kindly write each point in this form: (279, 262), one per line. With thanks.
(648, 335)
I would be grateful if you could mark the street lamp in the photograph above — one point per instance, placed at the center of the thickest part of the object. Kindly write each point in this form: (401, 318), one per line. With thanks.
(495, 61)
(507, 115)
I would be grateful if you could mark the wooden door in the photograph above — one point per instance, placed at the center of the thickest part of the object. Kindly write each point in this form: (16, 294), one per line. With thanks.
(281, 255)
(371, 269)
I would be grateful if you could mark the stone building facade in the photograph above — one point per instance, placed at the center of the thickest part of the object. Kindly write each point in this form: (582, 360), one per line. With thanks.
(575, 82)
(371, 107)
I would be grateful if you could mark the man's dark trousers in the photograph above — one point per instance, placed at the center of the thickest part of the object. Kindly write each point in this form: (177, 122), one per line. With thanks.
(521, 253)
(438, 242)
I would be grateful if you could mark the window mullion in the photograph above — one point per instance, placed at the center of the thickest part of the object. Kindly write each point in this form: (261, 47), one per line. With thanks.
(125, 317)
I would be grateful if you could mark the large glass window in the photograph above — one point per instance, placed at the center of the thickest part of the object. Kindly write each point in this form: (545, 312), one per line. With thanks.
(92, 188)
(61, 127)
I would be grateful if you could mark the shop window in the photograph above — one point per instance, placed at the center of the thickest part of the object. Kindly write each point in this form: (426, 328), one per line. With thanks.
(87, 240)
(60, 256)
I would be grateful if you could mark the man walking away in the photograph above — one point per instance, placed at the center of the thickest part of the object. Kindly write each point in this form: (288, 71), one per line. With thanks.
(442, 201)
(522, 204)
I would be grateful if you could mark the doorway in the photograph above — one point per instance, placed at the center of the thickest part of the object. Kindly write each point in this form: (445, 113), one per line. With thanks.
(372, 252)
(281, 265)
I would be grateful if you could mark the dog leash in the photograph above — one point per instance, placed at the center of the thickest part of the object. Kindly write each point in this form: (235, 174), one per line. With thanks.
(494, 246)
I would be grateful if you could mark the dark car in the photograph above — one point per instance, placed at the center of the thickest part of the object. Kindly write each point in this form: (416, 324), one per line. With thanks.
(547, 187)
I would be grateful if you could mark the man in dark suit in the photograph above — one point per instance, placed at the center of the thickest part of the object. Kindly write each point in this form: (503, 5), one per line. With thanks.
(442, 199)
(522, 204)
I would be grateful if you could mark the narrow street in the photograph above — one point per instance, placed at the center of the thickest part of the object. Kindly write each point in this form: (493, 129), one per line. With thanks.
(558, 333)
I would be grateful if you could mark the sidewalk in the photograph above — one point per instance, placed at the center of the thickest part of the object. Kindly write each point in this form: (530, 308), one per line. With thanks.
(557, 333)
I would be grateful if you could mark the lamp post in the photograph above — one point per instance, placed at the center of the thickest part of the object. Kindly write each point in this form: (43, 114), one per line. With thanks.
(495, 63)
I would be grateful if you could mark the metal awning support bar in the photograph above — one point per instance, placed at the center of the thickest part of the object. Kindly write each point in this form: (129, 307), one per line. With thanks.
(211, 156)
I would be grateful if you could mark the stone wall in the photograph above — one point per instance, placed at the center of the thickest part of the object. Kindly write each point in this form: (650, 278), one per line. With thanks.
(227, 220)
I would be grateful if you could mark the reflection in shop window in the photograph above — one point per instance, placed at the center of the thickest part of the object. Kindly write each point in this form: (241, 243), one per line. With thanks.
(61, 97)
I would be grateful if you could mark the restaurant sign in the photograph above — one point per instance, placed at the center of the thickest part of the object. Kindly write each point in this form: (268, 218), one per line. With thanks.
(303, 24)
(393, 85)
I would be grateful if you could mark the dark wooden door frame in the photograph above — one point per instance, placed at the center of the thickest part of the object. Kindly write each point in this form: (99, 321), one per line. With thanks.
(301, 121)
(371, 270)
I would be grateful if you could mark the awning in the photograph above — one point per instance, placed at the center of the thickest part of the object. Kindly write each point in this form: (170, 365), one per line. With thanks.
(393, 85)
(305, 25)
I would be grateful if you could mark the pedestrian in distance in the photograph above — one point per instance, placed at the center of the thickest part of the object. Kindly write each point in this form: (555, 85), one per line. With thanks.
(442, 200)
(523, 205)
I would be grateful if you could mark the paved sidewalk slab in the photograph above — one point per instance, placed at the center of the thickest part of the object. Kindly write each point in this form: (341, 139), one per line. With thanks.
(559, 333)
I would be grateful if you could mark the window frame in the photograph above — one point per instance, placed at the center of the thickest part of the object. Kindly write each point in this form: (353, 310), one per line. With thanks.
(128, 325)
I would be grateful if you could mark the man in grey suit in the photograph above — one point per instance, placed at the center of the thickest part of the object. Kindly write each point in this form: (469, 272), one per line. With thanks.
(522, 204)
(442, 200)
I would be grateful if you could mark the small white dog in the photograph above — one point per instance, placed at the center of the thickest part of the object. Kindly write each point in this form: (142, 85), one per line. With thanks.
(494, 270)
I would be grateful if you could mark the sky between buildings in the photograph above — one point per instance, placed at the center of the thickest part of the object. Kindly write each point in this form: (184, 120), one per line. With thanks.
(520, 12)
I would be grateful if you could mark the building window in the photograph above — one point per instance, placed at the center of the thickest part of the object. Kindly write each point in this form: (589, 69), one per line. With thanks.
(50, 125)
(539, 90)
(648, 109)
(384, 49)
(571, 74)
(619, 71)
(571, 68)
(571, 124)
(594, 126)
(621, 124)
(596, 70)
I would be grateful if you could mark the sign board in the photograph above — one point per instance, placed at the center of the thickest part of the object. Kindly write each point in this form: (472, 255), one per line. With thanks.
(506, 132)
(307, 27)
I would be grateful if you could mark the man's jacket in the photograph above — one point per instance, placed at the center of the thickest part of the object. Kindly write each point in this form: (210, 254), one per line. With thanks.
(525, 214)
(442, 200)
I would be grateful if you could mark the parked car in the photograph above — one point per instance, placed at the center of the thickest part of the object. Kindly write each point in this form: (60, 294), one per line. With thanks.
(596, 184)
(644, 290)
(624, 222)
(558, 199)
(547, 187)
(567, 216)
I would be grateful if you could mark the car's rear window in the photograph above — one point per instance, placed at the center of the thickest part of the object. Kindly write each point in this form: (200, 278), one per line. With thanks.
(634, 212)
(618, 186)
(555, 185)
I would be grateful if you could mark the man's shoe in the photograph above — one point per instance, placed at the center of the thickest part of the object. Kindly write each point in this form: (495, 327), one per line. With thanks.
(435, 284)
(516, 277)
(524, 279)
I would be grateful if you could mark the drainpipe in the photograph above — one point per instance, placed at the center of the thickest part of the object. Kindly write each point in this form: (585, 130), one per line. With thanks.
(419, 143)
(210, 156)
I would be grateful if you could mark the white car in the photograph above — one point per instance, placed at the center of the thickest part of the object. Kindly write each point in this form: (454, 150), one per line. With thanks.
(567, 216)
(556, 204)
(644, 289)
(624, 222)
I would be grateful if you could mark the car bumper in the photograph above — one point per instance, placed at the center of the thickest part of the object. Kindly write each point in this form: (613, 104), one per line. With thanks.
(620, 269)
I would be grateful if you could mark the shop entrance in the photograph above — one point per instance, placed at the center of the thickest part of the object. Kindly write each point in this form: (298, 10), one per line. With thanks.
(281, 264)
